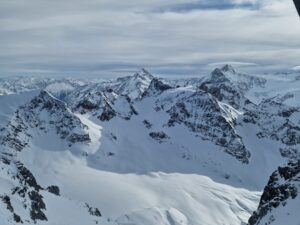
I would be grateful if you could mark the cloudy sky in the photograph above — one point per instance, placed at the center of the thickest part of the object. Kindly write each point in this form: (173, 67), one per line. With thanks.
(168, 37)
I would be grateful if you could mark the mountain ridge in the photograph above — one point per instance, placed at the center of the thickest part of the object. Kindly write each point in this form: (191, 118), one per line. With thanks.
(140, 136)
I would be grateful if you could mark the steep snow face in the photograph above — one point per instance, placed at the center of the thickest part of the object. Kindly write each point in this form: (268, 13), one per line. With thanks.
(144, 150)
(279, 203)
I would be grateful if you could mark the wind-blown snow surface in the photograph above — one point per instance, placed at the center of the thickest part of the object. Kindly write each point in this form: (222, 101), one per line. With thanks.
(148, 151)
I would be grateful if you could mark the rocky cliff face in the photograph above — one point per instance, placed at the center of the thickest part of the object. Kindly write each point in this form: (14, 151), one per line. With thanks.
(281, 191)
(203, 115)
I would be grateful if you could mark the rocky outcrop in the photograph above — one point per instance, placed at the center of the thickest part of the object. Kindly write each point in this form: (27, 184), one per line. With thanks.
(159, 136)
(203, 115)
(156, 87)
(54, 190)
(283, 187)
(273, 120)
(93, 211)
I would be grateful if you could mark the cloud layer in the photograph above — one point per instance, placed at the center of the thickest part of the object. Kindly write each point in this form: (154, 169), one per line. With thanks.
(65, 37)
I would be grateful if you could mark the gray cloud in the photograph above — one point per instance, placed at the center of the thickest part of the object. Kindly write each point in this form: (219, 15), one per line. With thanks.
(212, 5)
(110, 36)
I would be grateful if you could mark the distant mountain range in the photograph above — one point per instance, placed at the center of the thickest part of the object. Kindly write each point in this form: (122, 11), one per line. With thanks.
(218, 149)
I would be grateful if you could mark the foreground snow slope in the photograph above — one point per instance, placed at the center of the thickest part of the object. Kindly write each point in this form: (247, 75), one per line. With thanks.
(143, 150)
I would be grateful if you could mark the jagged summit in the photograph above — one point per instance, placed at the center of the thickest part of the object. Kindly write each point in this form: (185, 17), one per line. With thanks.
(221, 74)
(229, 86)
(228, 68)
(205, 136)
(133, 86)
(218, 76)
(143, 74)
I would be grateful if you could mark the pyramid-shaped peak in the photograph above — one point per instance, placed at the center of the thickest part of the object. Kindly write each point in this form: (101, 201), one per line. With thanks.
(218, 76)
(144, 74)
(228, 68)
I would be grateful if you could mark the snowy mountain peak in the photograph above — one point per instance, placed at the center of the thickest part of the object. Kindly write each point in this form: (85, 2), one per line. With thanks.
(143, 74)
(228, 68)
(129, 141)
(133, 86)
(218, 76)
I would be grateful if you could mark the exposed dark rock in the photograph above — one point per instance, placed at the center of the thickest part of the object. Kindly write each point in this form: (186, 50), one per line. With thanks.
(93, 211)
(250, 117)
(147, 124)
(26, 177)
(228, 68)
(159, 136)
(107, 114)
(29, 116)
(6, 200)
(37, 206)
(218, 76)
(54, 190)
(273, 119)
(156, 87)
(289, 152)
(75, 138)
(280, 188)
(222, 88)
(13, 132)
(21, 191)
(287, 112)
(110, 154)
(88, 105)
(202, 114)
(5, 160)
(17, 218)
(113, 136)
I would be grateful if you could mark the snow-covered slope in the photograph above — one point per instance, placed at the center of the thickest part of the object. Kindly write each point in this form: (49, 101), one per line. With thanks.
(144, 150)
